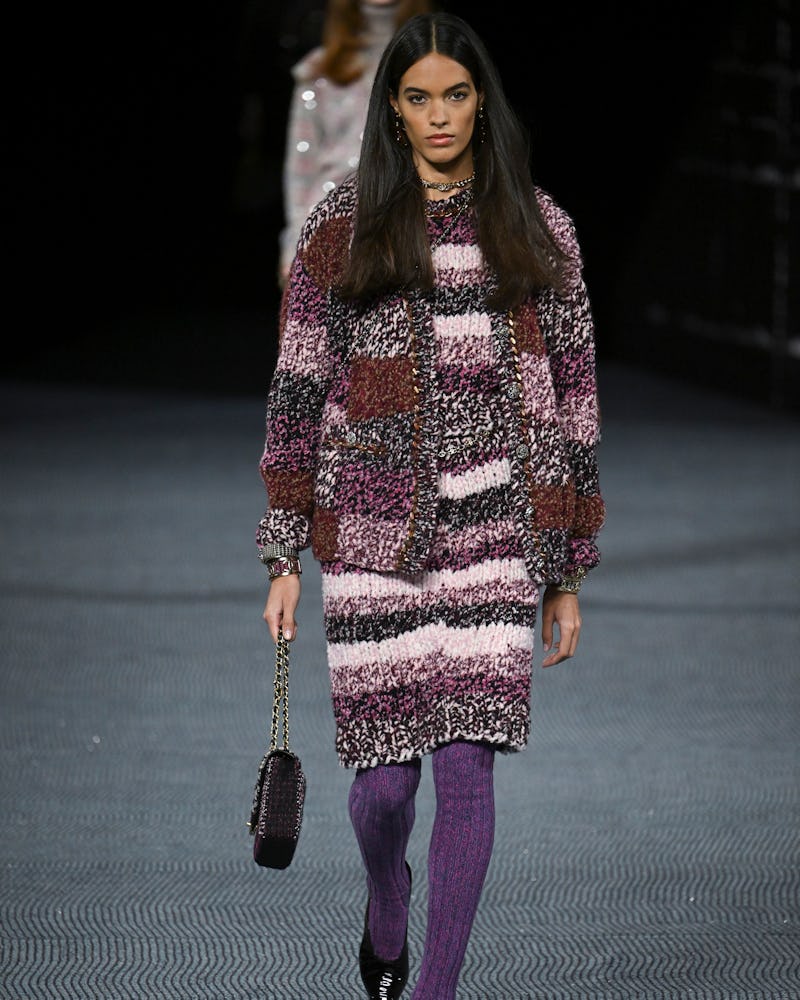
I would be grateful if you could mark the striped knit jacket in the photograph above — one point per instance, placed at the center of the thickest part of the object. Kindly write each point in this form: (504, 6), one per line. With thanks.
(352, 428)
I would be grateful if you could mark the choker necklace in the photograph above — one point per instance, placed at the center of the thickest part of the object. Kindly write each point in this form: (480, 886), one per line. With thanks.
(447, 185)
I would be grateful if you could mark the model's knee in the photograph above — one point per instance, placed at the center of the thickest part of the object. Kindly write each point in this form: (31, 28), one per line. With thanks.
(462, 759)
(387, 788)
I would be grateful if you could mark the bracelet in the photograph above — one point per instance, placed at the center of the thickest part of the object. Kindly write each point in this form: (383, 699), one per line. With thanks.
(266, 553)
(572, 584)
(284, 566)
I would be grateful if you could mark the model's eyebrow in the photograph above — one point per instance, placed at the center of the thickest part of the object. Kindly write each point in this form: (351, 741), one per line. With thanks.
(418, 90)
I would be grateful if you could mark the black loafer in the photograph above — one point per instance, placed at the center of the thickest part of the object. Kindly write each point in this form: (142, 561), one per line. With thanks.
(383, 980)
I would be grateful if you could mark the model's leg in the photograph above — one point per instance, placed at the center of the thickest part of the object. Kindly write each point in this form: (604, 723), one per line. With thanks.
(460, 850)
(382, 813)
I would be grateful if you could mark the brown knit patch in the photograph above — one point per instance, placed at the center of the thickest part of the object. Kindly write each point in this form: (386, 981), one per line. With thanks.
(554, 505)
(527, 331)
(325, 255)
(380, 387)
(589, 516)
(325, 534)
(290, 490)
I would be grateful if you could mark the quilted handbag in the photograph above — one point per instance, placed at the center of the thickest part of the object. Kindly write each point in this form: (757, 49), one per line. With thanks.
(280, 790)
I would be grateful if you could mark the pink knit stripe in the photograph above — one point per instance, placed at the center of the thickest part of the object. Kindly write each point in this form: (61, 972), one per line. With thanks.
(471, 331)
(463, 264)
(416, 646)
(451, 670)
(457, 485)
(477, 352)
(500, 590)
(386, 586)
(478, 538)
(474, 323)
(301, 352)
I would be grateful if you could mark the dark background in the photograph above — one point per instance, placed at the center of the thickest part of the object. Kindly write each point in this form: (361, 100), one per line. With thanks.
(145, 197)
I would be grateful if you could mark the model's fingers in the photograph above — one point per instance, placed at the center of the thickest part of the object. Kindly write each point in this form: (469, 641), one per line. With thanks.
(570, 633)
(272, 617)
(547, 627)
(289, 625)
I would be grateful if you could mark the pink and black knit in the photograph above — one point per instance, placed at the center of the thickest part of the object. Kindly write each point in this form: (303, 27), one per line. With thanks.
(440, 458)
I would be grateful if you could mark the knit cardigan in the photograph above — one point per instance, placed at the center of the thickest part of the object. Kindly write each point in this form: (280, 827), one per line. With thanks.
(352, 426)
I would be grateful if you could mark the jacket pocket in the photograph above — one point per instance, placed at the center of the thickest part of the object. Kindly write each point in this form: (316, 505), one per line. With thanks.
(356, 477)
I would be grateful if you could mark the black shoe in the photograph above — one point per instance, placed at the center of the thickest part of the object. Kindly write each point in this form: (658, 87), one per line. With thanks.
(383, 980)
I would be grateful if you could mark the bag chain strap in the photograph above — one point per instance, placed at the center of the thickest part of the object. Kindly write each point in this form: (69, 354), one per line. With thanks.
(281, 695)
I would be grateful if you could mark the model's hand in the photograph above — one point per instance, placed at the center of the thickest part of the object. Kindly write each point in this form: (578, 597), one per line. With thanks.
(560, 610)
(282, 601)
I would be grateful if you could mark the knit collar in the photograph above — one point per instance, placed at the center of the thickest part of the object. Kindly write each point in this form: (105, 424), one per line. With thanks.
(450, 205)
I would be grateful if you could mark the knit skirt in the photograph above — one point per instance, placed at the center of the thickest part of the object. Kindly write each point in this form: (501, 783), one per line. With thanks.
(446, 654)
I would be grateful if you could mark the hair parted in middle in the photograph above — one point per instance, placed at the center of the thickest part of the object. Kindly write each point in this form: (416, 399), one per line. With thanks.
(390, 249)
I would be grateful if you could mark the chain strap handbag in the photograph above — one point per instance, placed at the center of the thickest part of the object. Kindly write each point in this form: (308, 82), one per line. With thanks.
(280, 789)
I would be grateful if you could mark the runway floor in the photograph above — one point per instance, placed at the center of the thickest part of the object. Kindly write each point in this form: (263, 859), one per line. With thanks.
(647, 840)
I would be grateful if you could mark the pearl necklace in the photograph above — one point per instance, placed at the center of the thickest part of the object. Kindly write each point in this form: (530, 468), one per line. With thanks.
(448, 185)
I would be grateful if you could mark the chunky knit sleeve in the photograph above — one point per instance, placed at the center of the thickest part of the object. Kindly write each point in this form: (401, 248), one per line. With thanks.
(572, 356)
(294, 409)
(307, 358)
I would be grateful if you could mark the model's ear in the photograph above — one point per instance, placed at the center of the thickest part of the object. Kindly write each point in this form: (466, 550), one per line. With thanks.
(394, 103)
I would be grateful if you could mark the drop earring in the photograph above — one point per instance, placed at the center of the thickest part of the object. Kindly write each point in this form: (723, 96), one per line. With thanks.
(482, 125)
(399, 130)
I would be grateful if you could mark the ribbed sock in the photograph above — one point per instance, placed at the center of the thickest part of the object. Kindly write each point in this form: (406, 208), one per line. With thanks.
(382, 813)
(460, 851)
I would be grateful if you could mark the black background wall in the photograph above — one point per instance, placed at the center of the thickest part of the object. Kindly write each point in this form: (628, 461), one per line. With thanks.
(145, 198)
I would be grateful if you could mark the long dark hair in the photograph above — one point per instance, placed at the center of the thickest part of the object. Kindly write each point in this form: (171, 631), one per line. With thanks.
(390, 248)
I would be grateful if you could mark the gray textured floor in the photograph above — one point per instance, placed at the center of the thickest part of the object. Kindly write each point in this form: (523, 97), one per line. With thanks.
(647, 841)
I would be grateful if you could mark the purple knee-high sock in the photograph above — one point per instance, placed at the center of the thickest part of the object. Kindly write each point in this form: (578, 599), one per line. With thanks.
(382, 812)
(460, 851)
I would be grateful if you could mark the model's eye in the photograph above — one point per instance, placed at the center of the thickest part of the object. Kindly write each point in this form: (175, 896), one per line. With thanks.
(416, 99)
(458, 95)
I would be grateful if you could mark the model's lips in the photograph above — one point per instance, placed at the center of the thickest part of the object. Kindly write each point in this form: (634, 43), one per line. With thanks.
(440, 139)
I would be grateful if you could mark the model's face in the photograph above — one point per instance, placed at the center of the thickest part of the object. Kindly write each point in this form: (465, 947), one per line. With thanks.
(438, 101)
